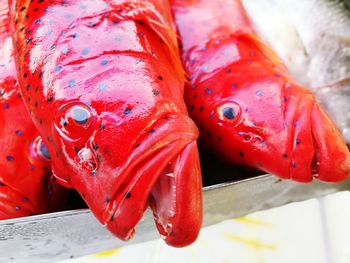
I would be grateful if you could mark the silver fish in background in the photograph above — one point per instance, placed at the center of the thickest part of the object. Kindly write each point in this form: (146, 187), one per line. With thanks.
(313, 38)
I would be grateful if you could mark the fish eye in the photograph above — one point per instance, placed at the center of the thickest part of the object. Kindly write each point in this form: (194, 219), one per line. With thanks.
(43, 150)
(228, 112)
(74, 120)
(80, 115)
(39, 149)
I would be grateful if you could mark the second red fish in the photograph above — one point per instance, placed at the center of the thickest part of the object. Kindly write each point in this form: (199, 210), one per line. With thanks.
(247, 106)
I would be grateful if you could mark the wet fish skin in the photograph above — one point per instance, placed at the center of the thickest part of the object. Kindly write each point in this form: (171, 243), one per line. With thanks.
(313, 39)
(249, 109)
(107, 96)
(27, 186)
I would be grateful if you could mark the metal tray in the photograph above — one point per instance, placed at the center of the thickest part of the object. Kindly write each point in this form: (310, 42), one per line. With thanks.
(64, 235)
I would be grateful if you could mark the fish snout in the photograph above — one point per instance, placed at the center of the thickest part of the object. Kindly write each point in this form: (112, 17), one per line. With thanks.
(162, 173)
(332, 157)
(179, 188)
(318, 148)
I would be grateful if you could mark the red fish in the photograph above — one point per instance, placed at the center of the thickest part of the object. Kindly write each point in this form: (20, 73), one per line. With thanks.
(244, 101)
(105, 85)
(26, 183)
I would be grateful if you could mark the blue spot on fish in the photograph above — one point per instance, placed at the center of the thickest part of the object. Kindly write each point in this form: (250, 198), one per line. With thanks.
(297, 141)
(102, 87)
(85, 51)
(204, 69)
(6, 106)
(65, 50)
(296, 123)
(19, 133)
(72, 83)
(259, 93)
(234, 86)
(104, 62)
(48, 33)
(9, 158)
(68, 16)
(208, 91)
(58, 68)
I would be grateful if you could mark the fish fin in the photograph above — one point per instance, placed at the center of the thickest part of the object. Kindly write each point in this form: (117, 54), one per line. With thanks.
(266, 50)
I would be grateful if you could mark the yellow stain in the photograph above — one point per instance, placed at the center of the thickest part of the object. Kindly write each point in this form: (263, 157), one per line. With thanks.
(252, 221)
(251, 242)
(108, 253)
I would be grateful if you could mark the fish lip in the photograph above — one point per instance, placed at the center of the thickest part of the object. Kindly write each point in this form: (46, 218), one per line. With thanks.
(157, 150)
(180, 127)
(175, 146)
(315, 168)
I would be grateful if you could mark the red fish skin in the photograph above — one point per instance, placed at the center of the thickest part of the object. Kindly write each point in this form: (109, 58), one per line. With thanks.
(27, 186)
(106, 91)
(247, 107)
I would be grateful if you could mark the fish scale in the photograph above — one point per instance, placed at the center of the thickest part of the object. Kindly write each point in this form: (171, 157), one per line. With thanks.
(106, 93)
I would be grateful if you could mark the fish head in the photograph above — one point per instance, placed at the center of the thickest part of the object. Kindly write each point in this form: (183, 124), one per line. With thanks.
(255, 115)
(125, 155)
(110, 107)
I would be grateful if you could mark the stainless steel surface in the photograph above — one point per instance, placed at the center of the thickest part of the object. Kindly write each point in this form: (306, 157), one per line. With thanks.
(63, 235)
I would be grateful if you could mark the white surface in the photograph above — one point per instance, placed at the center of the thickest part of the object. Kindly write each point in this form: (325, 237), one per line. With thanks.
(309, 231)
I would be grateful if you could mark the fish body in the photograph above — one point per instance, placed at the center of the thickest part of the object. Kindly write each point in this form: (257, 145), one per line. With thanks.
(105, 85)
(27, 186)
(248, 108)
(313, 39)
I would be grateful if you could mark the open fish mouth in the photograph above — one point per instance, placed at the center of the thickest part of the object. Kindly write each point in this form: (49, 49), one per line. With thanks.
(165, 177)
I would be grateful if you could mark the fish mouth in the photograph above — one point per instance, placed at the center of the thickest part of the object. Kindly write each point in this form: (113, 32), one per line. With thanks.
(331, 162)
(319, 150)
(163, 174)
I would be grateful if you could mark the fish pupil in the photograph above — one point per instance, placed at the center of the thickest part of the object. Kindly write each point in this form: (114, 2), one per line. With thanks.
(228, 112)
(80, 115)
(44, 151)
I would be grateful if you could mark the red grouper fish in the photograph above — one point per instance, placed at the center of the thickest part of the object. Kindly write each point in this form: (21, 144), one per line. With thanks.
(246, 105)
(105, 85)
(26, 183)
